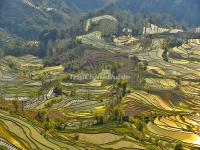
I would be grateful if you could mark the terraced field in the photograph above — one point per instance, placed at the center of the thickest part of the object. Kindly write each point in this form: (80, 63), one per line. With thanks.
(13, 87)
(94, 40)
(173, 69)
(124, 40)
(183, 128)
(161, 84)
(92, 97)
(189, 50)
(20, 133)
(109, 140)
(181, 75)
(81, 110)
(22, 63)
(39, 101)
(88, 97)
(23, 135)
(140, 100)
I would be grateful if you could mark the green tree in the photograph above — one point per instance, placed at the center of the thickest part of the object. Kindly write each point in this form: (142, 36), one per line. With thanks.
(41, 115)
(124, 86)
(49, 125)
(139, 125)
(178, 146)
(47, 40)
(118, 112)
(165, 46)
(58, 90)
(114, 70)
(16, 104)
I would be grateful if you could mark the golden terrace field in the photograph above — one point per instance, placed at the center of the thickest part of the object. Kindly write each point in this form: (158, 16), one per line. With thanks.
(85, 104)
(46, 105)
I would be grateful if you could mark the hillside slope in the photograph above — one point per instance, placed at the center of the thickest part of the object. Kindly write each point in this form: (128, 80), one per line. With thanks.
(182, 11)
(28, 17)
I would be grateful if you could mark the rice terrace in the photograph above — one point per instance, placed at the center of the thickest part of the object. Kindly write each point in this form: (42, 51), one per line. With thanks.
(99, 75)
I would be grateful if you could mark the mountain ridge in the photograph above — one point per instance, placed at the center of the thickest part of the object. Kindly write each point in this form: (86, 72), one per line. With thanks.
(27, 18)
